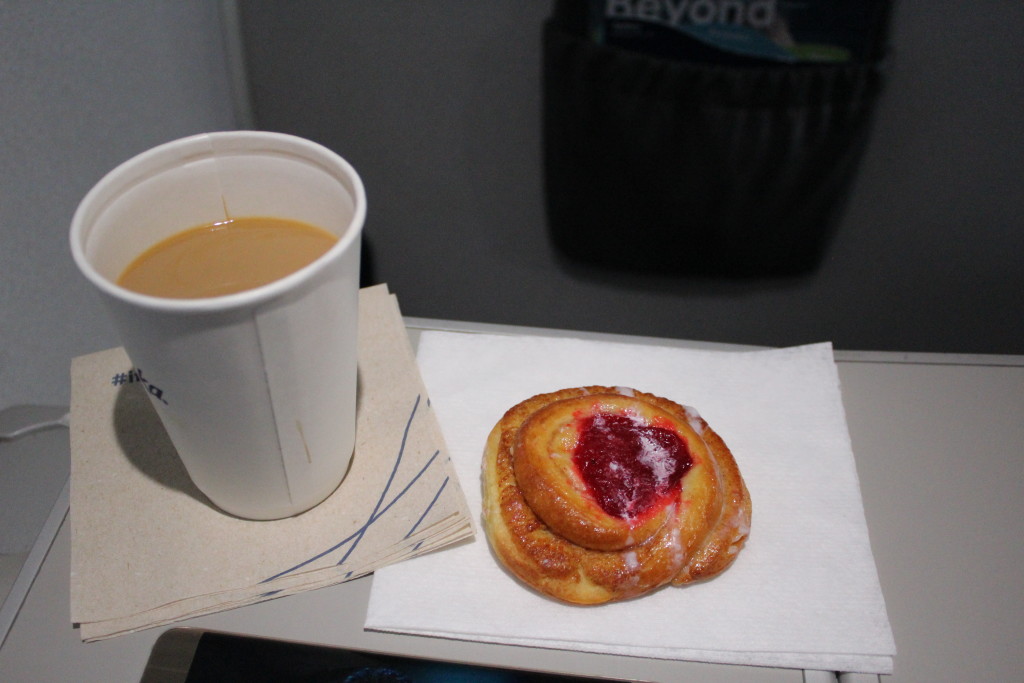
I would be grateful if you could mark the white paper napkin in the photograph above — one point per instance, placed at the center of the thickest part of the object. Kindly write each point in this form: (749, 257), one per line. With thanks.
(804, 593)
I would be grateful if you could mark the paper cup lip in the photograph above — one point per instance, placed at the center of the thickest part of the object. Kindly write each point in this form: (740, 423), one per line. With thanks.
(160, 157)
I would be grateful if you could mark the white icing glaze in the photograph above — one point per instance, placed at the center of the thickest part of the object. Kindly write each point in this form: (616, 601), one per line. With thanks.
(675, 538)
(625, 391)
(657, 458)
(693, 417)
(632, 563)
(637, 420)
(742, 525)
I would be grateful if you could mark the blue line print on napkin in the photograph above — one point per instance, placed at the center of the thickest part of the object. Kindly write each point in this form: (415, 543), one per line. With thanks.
(378, 511)
(431, 505)
(426, 512)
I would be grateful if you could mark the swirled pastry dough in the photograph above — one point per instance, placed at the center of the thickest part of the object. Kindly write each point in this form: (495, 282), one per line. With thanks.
(597, 494)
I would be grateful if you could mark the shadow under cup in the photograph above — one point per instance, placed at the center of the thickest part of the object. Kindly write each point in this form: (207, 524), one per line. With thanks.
(257, 390)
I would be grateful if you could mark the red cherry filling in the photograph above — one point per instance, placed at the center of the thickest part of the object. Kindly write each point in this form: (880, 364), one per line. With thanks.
(630, 467)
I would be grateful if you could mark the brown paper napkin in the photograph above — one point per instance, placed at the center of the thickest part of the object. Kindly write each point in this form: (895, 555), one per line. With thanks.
(148, 548)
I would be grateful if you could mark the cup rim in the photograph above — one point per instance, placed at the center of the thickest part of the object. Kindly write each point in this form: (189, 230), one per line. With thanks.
(201, 145)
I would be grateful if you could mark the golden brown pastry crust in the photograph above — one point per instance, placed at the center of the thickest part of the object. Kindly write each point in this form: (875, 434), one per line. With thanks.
(546, 528)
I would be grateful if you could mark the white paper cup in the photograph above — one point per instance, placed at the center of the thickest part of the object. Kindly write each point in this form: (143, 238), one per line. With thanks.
(257, 390)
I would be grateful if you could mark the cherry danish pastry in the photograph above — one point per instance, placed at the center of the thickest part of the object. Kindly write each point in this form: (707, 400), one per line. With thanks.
(597, 494)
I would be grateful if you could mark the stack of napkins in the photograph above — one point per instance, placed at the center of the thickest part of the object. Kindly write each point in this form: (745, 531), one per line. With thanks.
(804, 593)
(147, 547)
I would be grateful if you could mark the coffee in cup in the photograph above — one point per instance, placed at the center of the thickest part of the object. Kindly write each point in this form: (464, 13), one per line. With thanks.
(225, 257)
(257, 386)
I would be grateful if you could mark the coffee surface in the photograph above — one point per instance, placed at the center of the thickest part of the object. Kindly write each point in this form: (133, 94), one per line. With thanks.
(226, 257)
